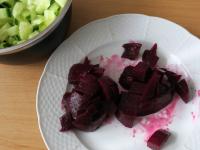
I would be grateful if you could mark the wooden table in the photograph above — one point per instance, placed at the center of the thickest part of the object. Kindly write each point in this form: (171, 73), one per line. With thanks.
(19, 74)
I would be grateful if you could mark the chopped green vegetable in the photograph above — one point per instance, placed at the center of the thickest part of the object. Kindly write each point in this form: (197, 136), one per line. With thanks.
(25, 29)
(21, 20)
(61, 2)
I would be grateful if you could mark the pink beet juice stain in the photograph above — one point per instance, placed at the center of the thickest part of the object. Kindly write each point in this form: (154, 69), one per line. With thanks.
(160, 120)
(115, 65)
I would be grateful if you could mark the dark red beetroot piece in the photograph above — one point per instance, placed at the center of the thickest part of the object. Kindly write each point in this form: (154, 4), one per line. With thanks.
(183, 90)
(141, 72)
(150, 57)
(91, 99)
(78, 70)
(66, 122)
(88, 85)
(110, 89)
(131, 50)
(158, 139)
(127, 77)
(126, 119)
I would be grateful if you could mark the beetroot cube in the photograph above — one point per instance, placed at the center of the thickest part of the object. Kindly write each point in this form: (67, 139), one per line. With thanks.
(127, 77)
(150, 56)
(110, 91)
(158, 139)
(137, 88)
(141, 71)
(125, 119)
(172, 77)
(66, 122)
(131, 50)
(88, 85)
(183, 90)
(76, 71)
(150, 89)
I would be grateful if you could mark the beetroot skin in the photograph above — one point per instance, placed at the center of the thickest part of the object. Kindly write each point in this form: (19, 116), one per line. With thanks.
(158, 139)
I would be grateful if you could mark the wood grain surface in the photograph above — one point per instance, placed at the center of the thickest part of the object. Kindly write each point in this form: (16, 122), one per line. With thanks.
(19, 74)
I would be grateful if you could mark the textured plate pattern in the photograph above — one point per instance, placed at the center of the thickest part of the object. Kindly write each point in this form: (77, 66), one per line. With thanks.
(121, 27)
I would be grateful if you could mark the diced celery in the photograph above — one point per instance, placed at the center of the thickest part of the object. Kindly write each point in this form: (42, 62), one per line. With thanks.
(3, 32)
(3, 13)
(14, 30)
(33, 34)
(42, 27)
(18, 9)
(61, 2)
(42, 5)
(25, 29)
(55, 8)
(49, 17)
(13, 40)
(39, 19)
(3, 21)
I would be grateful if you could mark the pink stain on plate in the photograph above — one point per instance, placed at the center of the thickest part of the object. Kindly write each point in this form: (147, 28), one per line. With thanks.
(159, 120)
(198, 93)
(115, 65)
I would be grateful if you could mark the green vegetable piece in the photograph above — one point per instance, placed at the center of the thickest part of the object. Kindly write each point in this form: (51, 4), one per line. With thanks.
(14, 30)
(61, 2)
(25, 29)
(4, 13)
(49, 17)
(33, 34)
(3, 32)
(8, 2)
(42, 5)
(55, 8)
(18, 9)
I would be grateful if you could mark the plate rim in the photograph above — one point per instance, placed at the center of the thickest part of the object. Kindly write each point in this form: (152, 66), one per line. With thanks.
(75, 32)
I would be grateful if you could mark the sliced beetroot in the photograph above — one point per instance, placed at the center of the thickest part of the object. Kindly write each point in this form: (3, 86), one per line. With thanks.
(154, 105)
(81, 69)
(183, 90)
(137, 88)
(125, 119)
(141, 71)
(151, 86)
(78, 70)
(66, 122)
(173, 77)
(109, 88)
(161, 89)
(158, 139)
(150, 56)
(92, 118)
(131, 50)
(88, 85)
(127, 77)
(129, 103)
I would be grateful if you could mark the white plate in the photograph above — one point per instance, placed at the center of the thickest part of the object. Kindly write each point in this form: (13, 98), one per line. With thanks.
(105, 37)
